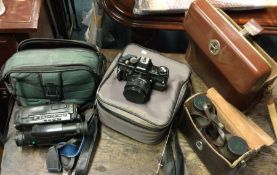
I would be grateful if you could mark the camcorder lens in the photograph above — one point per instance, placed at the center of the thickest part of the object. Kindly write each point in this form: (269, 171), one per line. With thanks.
(50, 134)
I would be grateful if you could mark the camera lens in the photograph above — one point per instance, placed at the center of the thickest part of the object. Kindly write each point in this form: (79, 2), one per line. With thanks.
(137, 89)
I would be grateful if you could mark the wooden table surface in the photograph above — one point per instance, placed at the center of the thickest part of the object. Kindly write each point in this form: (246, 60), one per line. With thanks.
(122, 12)
(20, 16)
(117, 154)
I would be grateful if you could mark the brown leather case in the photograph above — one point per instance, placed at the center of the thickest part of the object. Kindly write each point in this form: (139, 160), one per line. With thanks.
(215, 162)
(223, 57)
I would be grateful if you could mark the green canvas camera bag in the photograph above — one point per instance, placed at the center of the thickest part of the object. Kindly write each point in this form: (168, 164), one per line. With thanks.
(46, 71)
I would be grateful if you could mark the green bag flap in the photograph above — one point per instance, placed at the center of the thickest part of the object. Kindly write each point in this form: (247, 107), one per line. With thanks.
(55, 57)
(35, 76)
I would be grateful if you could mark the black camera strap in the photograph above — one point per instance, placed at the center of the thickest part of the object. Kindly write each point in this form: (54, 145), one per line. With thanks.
(64, 155)
(85, 157)
(172, 160)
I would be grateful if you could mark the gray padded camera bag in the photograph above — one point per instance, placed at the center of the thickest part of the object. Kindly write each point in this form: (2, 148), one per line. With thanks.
(148, 122)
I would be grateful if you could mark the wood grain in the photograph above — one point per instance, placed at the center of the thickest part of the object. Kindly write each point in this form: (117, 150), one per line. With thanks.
(122, 12)
(20, 16)
(117, 154)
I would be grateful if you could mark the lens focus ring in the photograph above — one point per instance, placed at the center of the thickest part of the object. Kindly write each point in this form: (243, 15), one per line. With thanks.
(137, 89)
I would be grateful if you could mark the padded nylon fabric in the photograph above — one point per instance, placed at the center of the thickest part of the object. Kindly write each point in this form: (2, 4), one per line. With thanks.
(146, 122)
(158, 110)
(69, 75)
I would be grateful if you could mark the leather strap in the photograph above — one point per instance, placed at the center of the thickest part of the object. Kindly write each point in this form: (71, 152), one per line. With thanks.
(272, 111)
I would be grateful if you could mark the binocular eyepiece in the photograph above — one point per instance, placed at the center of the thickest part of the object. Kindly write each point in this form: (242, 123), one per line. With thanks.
(205, 116)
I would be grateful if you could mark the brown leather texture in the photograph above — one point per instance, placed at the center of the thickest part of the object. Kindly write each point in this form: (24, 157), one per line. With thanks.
(212, 77)
(243, 67)
(214, 163)
(208, 154)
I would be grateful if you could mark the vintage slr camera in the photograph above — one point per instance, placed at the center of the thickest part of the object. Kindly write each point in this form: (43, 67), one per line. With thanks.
(141, 76)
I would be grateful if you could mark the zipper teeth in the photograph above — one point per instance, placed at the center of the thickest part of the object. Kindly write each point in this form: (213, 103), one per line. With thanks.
(131, 113)
(175, 109)
(128, 120)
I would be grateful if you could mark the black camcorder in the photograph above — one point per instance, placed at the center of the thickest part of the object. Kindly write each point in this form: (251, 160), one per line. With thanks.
(26, 117)
(48, 124)
(141, 76)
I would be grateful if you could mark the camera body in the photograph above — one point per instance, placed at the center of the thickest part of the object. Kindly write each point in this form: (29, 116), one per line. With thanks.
(141, 76)
(26, 117)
